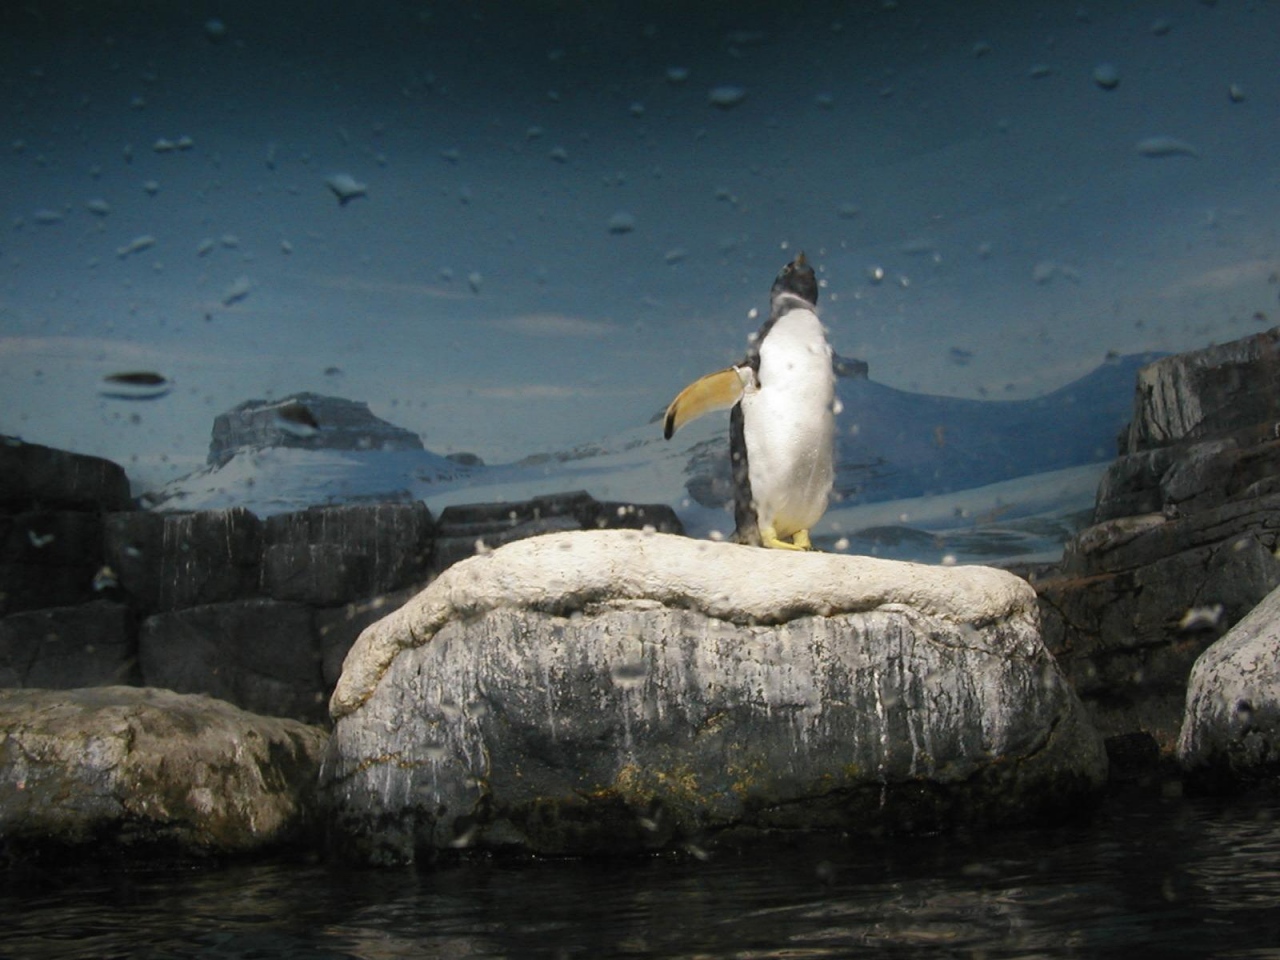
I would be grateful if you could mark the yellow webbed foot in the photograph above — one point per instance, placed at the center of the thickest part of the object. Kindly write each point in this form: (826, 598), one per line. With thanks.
(715, 391)
(769, 538)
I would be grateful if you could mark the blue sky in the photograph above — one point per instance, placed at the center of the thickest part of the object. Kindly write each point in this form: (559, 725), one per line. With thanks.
(956, 171)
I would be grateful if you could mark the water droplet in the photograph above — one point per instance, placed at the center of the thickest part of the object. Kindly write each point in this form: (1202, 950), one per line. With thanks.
(559, 154)
(105, 579)
(1235, 93)
(215, 30)
(346, 188)
(98, 207)
(622, 222)
(151, 187)
(135, 385)
(296, 418)
(677, 74)
(475, 280)
(726, 96)
(136, 246)
(629, 675)
(1201, 618)
(1106, 76)
(1166, 146)
(237, 291)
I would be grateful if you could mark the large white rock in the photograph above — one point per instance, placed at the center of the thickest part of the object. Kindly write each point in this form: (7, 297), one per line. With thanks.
(1231, 729)
(619, 691)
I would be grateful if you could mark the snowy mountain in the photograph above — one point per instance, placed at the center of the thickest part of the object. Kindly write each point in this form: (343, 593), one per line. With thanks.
(911, 467)
(306, 420)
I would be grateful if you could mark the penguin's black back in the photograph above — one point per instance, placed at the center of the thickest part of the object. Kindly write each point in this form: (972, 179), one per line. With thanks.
(744, 510)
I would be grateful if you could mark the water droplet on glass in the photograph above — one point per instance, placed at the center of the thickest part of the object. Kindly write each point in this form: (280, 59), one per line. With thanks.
(1166, 146)
(622, 222)
(237, 291)
(726, 96)
(135, 385)
(629, 675)
(346, 188)
(98, 207)
(677, 74)
(105, 579)
(1201, 618)
(1106, 76)
(296, 419)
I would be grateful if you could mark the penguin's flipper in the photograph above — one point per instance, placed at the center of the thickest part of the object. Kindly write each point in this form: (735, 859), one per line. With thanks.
(715, 391)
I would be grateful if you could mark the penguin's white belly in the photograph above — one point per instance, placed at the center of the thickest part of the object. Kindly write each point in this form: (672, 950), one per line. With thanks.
(789, 425)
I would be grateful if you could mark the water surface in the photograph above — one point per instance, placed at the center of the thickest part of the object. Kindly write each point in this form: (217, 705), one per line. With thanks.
(1146, 876)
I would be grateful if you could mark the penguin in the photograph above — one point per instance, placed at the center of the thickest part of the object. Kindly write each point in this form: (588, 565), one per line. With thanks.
(782, 423)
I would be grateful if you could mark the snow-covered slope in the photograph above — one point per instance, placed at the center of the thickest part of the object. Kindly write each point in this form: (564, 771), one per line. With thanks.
(921, 477)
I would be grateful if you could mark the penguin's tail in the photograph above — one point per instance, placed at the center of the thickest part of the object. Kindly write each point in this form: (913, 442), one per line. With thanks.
(715, 391)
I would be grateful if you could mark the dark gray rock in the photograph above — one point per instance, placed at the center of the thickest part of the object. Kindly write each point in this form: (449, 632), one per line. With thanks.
(176, 560)
(337, 628)
(89, 645)
(111, 770)
(332, 555)
(261, 655)
(466, 529)
(49, 558)
(1207, 393)
(1127, 638)
(1231, 731)
(1184, 537)
(306, 420)
(1190, 477)
(43, 477)
(618, 692)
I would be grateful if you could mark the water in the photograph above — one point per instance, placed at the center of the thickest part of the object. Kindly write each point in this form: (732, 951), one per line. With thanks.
(1147, 876)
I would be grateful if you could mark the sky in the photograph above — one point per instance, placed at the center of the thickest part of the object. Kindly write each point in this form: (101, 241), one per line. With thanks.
(572, 209)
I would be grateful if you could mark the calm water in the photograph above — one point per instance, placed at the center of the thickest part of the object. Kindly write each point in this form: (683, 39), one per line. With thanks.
(1146, 877)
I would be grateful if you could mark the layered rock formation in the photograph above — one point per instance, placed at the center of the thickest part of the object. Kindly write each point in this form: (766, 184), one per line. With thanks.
(258, 612)
(307, 420)
(1184, 540)
(145, 772)
(616, 692)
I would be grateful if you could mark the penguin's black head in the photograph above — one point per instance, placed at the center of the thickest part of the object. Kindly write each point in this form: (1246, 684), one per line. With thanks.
(797, 279)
